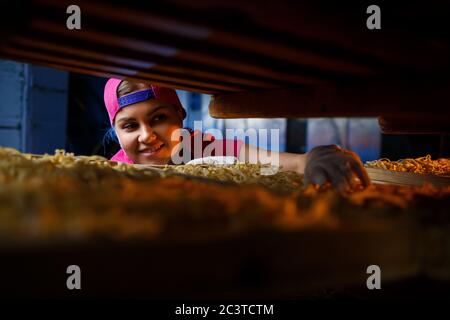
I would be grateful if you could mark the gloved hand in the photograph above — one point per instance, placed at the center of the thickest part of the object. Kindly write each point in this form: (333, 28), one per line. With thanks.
(335, 165)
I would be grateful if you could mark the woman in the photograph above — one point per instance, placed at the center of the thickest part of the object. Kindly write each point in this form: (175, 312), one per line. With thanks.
(146, 118)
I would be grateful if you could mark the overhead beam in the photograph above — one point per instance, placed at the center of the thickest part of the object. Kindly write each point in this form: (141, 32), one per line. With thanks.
(427, 124)
(133, 41)
(94, 71)
(209, 35)
(134, 60)
(103, 65)
(365, 99)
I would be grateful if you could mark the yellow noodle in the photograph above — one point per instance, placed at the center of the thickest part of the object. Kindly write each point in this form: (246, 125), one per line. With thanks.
(422, 165)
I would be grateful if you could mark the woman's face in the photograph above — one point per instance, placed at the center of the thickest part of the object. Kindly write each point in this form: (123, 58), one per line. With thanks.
(144, 130)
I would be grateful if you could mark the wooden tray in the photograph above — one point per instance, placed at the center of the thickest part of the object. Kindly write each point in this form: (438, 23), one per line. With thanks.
(406, 178)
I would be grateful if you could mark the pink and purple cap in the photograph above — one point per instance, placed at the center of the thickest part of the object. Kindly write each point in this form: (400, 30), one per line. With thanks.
(114, 104)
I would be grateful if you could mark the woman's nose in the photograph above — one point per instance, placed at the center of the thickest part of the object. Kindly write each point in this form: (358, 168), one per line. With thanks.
(147, 135)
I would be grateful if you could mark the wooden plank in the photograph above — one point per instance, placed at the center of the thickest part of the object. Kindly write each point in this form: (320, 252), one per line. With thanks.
(379, 175)
(98, 73)
(96, 63)
(427, 124)
(298, 43)
(106, 70)
(316, 34)
(247, 39)
(127, 58)
(236, 62)
(346, 100)
(401, 44)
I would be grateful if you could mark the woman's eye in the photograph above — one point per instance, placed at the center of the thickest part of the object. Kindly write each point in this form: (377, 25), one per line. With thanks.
(158, 118)
(129, 126)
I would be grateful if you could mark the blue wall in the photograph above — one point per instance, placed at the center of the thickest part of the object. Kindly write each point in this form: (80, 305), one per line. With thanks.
(33, 107)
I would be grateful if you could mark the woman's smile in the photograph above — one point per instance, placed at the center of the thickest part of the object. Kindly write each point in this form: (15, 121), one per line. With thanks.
(151, 151)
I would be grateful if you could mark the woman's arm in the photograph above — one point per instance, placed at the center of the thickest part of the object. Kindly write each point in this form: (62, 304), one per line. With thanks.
(321, 164)
(288, 161)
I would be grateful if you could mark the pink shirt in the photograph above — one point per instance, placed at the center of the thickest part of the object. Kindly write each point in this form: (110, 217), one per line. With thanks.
(223, 148)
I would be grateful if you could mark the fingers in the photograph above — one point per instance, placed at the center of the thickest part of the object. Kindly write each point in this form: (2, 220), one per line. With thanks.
(315, 175)
(357, 167)
(337, 166)
(319, 176)
(352, 165)
(340, 178)
(361, 173)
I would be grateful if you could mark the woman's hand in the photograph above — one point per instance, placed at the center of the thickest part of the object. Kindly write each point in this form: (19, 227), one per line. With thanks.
(335, 165)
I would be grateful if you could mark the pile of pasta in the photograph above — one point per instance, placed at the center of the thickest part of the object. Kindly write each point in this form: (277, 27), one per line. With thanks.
(268, 176)
(78, 198)
(64, 195)
(89, 167)
(422, 165)
(16, 166)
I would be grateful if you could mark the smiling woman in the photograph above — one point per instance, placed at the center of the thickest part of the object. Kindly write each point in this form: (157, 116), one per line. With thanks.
(145, 126)
(148, 122)
(145, 129)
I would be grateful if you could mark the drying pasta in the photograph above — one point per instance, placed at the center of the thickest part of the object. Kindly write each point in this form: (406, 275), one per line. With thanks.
(245, 173)
(71, 197)
(422, 165)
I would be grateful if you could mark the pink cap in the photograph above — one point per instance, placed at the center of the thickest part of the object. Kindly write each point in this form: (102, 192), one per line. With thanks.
(112, 102)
